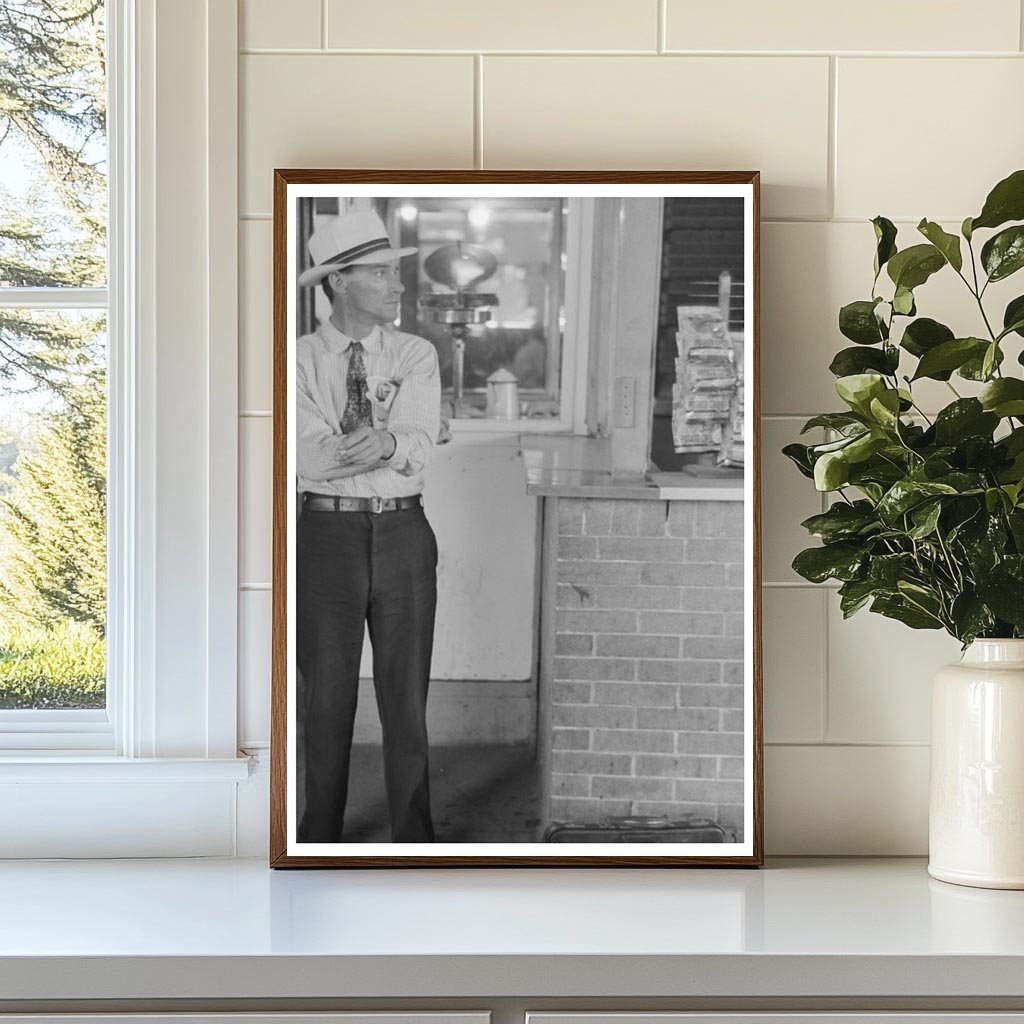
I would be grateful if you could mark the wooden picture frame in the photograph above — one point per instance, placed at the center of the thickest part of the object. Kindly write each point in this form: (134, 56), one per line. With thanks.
(643, 641)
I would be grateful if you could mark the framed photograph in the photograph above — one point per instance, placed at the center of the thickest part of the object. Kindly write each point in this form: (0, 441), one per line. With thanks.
(516, 608)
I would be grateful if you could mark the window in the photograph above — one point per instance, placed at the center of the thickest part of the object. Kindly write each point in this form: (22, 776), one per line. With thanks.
(53, 357)
(512, 320)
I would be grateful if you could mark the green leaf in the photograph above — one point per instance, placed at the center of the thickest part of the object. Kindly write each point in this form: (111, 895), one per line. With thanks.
(1013, 317)
(966, 417)
(906, 494)
(857, 321)
(854, 595)
(970, 617)
(903, 302)
(1004, 397)
(840, 561)
(1006, 599)
(799, 455)
(1003, 254)
(885, 409)
(1014, 441)
(922, 336)
(1015, 519)
(858, 389)
(831, 471)
(947, 244)
(913, 266)
(864, 446)
(850, 361)
(841, 421)
(950, 355)
(974, 368)
(900, 609)
(994, 499)
(965, 229)
(842, 521)
(817, 450)
(881, 471)
(990, 360)
(925, 518)
(1005, 202)
(887, 570)
(885, 236)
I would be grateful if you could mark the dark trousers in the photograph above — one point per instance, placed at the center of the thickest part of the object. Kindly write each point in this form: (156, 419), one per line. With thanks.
(355, 569)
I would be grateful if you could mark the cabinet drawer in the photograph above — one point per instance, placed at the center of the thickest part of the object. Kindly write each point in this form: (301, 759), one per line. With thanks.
(958, 1017)
(358, 1017)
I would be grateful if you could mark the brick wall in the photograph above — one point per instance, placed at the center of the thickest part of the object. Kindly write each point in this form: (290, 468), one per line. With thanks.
(647, 691)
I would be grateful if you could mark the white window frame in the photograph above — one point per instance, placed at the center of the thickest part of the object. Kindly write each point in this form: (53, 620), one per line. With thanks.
(161, 766)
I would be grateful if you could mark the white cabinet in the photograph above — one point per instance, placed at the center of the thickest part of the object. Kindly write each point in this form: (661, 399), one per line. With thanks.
(788, 1017)
(362, 1017)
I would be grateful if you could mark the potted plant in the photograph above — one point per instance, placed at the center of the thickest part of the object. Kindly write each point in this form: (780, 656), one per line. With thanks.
(926, 524)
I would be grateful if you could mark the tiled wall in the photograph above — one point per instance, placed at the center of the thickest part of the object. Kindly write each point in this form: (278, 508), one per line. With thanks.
(647, 691)
(906, 109)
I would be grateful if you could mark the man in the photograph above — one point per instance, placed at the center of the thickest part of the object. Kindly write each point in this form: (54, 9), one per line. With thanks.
(367, 418)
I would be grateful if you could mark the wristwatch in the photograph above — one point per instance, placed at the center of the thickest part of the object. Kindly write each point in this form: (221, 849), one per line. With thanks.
(387, 458)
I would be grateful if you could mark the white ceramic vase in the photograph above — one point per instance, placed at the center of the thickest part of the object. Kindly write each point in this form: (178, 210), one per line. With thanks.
(976, 815)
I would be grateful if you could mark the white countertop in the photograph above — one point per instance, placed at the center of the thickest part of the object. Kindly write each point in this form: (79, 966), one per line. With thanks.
(580, 467)
(234, 929)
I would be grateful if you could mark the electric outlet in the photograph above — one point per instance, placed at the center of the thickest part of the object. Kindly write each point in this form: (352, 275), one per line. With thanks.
(625, 401)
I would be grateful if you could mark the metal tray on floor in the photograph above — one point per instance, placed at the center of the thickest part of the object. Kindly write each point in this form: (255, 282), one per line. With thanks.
(691, 829)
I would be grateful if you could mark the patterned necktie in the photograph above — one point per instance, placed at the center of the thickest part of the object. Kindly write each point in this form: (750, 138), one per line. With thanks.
(358, 412)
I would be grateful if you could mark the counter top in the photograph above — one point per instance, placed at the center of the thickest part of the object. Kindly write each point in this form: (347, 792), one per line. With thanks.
(823, 928)
(580, 467)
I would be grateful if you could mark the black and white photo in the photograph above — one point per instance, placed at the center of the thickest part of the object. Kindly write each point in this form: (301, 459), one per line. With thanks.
(516, 568)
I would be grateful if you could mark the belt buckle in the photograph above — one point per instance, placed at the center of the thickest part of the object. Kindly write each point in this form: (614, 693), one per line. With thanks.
(377, 505)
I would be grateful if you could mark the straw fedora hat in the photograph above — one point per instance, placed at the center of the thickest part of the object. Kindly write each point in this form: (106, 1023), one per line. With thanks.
(347, 241)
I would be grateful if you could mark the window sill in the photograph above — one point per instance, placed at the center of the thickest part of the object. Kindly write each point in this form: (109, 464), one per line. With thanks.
(75, 766)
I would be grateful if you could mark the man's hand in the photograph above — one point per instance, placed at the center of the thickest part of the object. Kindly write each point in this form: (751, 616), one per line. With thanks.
(364, 448)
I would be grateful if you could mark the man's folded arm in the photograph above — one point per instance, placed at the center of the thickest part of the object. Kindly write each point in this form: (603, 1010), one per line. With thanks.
(415, 418)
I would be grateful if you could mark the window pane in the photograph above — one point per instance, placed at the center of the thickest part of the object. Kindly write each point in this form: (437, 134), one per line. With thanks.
(52, 509)
(698, 383)
(509, 318)
(52, 144)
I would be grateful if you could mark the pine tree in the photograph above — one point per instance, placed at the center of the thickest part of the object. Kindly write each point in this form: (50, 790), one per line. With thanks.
(53, 521)
(53, 234)
(53, 123)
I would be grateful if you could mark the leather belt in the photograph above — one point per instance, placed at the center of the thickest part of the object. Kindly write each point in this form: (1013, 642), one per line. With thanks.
(332, 503)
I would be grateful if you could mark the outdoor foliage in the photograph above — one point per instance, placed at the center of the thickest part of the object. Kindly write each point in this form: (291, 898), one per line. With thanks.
(61, 667)
(52, 380)
(928, 522)
(52, 121)
(53, 543)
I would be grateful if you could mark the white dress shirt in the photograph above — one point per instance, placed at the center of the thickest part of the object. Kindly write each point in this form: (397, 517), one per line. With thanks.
(414, 416)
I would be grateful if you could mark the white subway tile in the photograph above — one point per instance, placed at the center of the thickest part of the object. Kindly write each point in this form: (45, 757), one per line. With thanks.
(846, 801)
(680, 113)
(255, 502)
(960, 130)
(351, 111)
(869, 25)
(270, 24)
(793, 632)
(469, 25)
(255, 320)
(880, 675)
(787, 499)
(254, 612)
